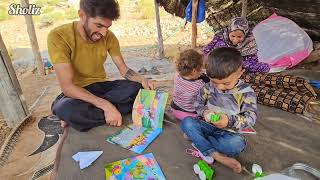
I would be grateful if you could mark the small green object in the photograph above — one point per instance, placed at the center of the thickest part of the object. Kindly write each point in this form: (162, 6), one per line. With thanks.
(215, 117)
(258, 174)
(208, 171)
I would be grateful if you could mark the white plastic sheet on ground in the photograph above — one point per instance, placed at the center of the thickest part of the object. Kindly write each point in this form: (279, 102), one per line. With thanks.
(281, 42)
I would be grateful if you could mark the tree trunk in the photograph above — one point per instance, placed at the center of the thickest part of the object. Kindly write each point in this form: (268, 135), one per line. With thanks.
(194, 22)
(160, 40)
(33, 39)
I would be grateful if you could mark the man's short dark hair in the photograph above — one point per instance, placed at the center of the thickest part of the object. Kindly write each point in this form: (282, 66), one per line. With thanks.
(101, 8)
(222, 62)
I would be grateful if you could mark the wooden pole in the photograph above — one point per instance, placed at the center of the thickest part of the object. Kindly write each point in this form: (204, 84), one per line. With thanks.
(12, 101)
(194, 23)
(160, 39)
(33, 39)
(10, 68)
(244, 8)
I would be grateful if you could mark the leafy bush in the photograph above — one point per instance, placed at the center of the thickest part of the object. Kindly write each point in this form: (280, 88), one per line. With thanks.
(46, 19)
(57, 15)
(71, 13)
(147, 9)
(47, 9)
(44, 3)
(4, 14)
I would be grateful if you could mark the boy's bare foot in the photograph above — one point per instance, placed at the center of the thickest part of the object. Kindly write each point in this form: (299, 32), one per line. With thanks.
(227, 161)
(63, 124)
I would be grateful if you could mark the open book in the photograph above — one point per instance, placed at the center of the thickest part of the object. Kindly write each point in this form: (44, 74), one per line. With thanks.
(147, 116)
(139, 167)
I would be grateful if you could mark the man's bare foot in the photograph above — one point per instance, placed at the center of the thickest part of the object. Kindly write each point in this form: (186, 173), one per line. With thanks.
(227, 161)
(63, 124)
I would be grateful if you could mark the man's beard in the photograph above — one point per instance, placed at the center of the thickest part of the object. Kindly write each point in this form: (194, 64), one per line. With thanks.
(89, 34)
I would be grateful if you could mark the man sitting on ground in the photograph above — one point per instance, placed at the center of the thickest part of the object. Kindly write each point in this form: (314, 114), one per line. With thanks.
(78, 51)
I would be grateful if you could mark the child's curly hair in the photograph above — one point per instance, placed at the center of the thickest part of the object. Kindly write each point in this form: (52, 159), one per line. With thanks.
(189, 60)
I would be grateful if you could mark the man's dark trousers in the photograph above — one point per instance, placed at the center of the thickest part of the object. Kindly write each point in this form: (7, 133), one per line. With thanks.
(83, 116)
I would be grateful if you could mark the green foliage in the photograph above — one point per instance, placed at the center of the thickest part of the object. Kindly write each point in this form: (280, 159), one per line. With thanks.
(50, 11)
(46, 19)
(52, 14)
(71, 13)
(47, 9)
(146, 8)
(4, 14)
(44, 3)
(57, 15)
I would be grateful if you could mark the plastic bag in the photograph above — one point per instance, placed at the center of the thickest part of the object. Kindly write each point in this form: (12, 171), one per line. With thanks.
(281, 42)
(297, 171)
(302, 171)
(201, 14)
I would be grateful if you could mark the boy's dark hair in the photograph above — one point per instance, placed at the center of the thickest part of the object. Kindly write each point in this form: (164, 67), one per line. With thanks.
(101, 8)
(222, 62)
(188, 60)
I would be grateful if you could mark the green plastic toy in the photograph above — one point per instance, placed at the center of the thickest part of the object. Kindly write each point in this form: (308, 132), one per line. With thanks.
(257, 171)
(214, 117)
(258, 175)
(204, 171)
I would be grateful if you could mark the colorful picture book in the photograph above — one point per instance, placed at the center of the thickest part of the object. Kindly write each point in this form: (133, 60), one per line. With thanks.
(147, 116)
(143, 167)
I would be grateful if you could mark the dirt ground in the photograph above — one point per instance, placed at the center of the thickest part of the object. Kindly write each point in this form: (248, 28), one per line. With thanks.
(32, 87)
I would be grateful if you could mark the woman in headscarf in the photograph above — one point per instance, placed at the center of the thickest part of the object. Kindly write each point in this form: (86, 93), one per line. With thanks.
(239, 35)
(290, 93)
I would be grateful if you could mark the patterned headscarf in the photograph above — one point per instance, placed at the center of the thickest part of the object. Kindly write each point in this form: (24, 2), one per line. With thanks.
(248, 46)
